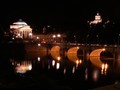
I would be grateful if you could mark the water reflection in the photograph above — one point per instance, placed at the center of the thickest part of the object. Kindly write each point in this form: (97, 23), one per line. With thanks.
(95, 75)
(22, 66)
(104, 68)
(69, 69)
(55, 52)
(57, 65)
(53, 63)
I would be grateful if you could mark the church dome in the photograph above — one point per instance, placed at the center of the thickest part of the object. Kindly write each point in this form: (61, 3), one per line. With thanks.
(20, 22)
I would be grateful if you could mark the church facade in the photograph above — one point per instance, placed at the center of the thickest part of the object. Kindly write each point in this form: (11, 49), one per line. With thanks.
(21, 29)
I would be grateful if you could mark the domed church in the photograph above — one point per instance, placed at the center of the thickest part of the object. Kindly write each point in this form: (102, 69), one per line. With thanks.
(21, 29)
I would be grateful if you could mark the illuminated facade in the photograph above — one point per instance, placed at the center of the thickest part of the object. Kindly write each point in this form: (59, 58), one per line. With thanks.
(97, 20)
(20, 29)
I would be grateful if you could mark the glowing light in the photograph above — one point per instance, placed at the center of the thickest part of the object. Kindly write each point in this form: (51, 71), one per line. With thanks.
(59, 58)
(95, 75)
(53, 62)
(97, 20)
(48, 26)
(13, 38)
(103, 49)
(80, 61)
(23, 68)
(38, 58)
(18, 34)
(39, 44)
(73, 69)
(30, 67)
(104, 68)
(57, 65)
(58, 35)
(48, 66)
(64, 71)
(77, 47)
(86, 74)
(37, 37)
(30, 34)
(54, 36)
(20, 22)
(77, 61)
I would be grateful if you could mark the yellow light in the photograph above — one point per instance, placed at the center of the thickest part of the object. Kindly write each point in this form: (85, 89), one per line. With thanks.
(30, 67)
(77, 62)
(103, 49)
(80, 61)
(106, 66)
(58, 58)
(103, 66)
(77, 47)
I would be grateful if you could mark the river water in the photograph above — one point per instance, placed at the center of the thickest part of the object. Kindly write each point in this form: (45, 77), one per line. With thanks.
(37, 69)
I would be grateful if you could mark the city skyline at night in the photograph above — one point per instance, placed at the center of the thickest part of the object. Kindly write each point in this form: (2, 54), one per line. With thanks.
(66, 17)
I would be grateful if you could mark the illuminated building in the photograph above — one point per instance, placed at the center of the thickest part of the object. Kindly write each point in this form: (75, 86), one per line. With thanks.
(21, 29)
(97, 20)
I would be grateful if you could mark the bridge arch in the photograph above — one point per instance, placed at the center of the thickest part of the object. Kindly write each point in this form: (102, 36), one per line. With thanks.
(72, 54)
(55, 52)
(96, 52)
(96, 56)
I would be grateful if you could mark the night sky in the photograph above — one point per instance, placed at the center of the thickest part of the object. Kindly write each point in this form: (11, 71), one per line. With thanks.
(68, 14)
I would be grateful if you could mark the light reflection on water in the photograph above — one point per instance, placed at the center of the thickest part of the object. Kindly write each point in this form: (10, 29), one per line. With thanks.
(81, 71)
(72, 70)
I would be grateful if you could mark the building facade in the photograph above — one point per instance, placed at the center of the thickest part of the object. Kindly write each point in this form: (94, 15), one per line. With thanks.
(21, 29)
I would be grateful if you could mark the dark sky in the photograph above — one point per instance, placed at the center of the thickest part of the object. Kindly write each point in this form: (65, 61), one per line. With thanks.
(58, 12)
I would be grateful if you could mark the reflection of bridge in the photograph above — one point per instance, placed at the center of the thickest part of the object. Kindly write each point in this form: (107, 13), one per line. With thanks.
(87, 49)
(93, 52)
(74, 52)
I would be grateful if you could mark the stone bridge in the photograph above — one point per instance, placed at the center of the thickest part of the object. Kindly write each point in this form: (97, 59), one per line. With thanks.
(76, 53)
(82, 49)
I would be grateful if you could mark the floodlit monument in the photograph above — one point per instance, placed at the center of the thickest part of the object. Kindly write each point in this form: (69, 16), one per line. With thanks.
(97, 20)
(21, 29)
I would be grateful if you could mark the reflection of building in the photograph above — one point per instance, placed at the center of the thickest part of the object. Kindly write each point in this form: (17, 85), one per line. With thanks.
(20, 29)
(97, 20)
(22, 66)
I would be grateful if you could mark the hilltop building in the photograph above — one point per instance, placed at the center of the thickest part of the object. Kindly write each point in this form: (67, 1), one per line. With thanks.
(97, 19)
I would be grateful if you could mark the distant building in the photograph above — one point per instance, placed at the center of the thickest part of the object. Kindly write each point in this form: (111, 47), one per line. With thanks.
(21, 29)
(97, 19)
